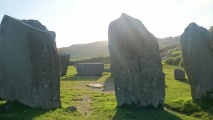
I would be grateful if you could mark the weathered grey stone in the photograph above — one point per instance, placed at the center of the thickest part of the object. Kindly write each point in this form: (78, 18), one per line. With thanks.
(179, 74)
(135, 63)
(211, 96)
(211, 35)
(197, 59)
(35, 23)
(90, 69)
(64, 58)
(29, 65)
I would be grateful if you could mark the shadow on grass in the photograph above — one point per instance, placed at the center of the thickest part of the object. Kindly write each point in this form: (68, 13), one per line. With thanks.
(109, 84)
(13, 110)
(141, 113)
(183, 81)
(80, 78)
(201, 109)
(206, 105)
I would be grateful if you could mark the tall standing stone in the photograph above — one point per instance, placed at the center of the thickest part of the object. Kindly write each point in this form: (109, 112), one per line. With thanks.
(29, 64)
(135, 63)
(64, 59)
(197, 59)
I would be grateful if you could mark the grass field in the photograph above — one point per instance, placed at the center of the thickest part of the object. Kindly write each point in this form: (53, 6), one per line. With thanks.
(100, 103)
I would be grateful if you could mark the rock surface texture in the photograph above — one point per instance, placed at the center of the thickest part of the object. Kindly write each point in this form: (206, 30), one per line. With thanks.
(135, 63)
(29, 64)
(179, 74)
(90, 69)
(197, 59)
(64, 59)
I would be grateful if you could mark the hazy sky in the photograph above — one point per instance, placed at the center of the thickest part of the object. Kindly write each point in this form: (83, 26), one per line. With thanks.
(85, 21)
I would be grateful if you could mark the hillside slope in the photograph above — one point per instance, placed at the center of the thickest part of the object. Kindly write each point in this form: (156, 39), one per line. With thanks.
(81, 51)
(95, 49)
(163, 42)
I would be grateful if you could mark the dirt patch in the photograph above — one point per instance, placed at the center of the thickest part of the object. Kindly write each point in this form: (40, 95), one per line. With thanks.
(105, 86)
(102, 87)
(83, 105)
(96, 85)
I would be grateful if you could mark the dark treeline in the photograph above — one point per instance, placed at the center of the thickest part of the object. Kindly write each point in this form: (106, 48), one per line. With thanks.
(101, 59)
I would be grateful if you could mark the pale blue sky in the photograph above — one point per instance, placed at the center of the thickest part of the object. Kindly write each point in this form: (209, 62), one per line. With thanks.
(85, 21)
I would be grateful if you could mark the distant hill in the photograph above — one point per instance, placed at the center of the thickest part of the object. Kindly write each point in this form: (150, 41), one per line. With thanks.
(82, 51)
(163, 42)
(95, 49)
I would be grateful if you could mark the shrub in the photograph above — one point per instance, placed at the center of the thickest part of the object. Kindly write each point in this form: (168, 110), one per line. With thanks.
(174, 60)
(175, 54)
(168, 48)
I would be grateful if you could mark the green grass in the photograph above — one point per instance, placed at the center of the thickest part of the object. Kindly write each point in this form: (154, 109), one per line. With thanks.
(178, 97)
(100, 104)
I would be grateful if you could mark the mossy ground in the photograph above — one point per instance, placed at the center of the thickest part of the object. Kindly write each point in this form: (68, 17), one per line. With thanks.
(100, 104)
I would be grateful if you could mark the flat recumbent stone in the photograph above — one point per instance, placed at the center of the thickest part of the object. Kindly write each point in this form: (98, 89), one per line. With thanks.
(90, 69)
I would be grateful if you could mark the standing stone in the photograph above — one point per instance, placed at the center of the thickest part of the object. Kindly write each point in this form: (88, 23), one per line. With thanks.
(197, 59)
(64, 58)
(211, 36)
(179, 74)
(136, 63)
(29, 64)
(35, 23)
(90, 69)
